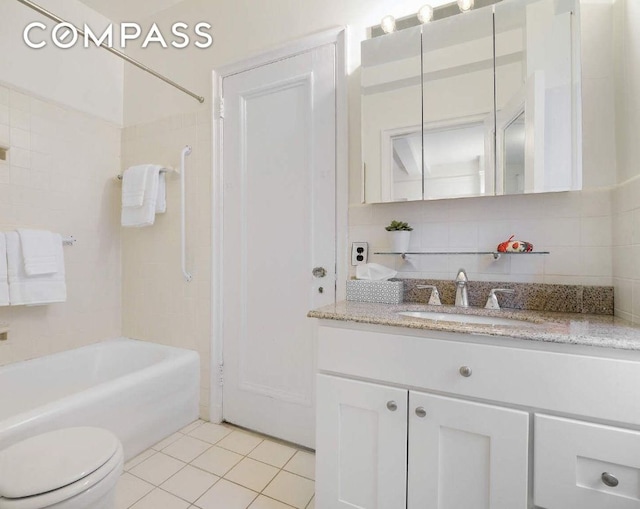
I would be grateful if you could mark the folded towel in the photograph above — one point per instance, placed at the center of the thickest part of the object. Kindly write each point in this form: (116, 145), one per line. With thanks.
(134, 184)
(146, 214)
(34, 290)
(39, 252)
(4, 281)
(161, 203)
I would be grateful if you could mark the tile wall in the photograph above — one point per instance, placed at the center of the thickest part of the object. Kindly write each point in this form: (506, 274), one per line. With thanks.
(626, 202)
(574, 227)
(59, 176)
(626, 250)
(158, 305)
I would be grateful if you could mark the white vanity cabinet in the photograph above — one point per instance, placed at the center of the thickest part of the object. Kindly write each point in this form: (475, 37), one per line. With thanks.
(410, 419)
(385, 447)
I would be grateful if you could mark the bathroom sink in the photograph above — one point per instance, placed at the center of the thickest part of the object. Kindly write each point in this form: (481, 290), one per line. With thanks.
(461, 318)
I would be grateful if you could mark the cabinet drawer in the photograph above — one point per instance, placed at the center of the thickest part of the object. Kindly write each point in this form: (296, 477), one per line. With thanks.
(577, 384)
(577, 464)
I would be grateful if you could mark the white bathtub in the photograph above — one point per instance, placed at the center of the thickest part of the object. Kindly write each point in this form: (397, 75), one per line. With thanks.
(140, 391)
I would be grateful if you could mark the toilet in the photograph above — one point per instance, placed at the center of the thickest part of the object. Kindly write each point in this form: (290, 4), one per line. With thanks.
(71, 468)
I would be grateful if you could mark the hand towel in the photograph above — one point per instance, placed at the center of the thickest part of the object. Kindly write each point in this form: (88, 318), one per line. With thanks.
(134, 184)
(34, 290)
(161, 203)
(145, 215)
(4, 277)
(38, 251)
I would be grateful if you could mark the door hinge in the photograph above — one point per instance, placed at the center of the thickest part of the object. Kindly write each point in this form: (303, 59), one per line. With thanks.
(220, 108)
(221, 374)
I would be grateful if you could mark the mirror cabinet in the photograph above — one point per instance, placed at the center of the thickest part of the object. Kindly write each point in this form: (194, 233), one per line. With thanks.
(483, 103)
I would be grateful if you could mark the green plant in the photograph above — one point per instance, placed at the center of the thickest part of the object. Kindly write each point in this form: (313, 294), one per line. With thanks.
(398, 226)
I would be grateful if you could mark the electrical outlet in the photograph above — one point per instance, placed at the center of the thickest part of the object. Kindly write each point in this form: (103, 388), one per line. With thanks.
(359, 253)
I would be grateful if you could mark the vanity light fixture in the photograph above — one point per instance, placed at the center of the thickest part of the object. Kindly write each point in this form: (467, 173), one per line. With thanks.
(388, 24)
(425, 14)
(465, 5)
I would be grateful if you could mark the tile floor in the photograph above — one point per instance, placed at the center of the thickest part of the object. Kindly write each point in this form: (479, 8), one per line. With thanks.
(210, 466)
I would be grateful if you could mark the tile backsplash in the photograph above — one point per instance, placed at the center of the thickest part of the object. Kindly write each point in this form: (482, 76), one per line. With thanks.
(58, 176)
(575, 227)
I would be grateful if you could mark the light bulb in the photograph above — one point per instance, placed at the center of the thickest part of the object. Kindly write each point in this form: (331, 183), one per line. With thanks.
(465, 5)
(425, 14)
(388, 24)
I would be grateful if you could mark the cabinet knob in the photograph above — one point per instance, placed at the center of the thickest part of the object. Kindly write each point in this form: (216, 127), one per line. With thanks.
(609, 479)
(466, 371)
(421, 412)
(392, 405)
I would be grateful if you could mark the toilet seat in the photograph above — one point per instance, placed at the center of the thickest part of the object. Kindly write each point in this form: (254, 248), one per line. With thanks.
(54, 467)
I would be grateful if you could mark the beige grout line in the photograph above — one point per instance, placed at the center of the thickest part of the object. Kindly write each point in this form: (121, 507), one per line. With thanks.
(235, 428)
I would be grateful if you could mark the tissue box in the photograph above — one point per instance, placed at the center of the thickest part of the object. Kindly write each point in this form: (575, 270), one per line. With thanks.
(384, 292)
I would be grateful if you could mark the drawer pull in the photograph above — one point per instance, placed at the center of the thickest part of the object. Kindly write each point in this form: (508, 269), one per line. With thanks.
(466, 371)
(421, 412)
(609, 479)
(392, 405)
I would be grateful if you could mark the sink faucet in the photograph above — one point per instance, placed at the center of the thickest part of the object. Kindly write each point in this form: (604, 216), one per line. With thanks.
(462, 295)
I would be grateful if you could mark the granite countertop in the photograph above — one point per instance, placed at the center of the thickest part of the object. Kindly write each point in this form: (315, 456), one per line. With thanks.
(570, 328)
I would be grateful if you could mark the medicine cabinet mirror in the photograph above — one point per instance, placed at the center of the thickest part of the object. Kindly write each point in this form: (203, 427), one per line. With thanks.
(483, 103)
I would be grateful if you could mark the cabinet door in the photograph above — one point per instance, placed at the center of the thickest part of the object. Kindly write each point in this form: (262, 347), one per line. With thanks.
(464, 454)
(361, 439)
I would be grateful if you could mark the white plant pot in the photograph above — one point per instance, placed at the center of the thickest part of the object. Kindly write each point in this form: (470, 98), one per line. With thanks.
(400, 241)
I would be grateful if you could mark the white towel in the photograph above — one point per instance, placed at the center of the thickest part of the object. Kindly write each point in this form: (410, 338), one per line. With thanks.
(38, 251)
(134, 185)
(161, 203)
(4, 277)
(34, 290)
(146, 214)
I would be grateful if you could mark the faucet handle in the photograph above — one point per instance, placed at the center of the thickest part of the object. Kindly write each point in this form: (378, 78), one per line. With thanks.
(492, 301)
(434, 300)
(462, 276)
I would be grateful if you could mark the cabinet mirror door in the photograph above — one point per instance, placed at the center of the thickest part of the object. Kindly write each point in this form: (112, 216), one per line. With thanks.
(537, 97)
(391, 117)
(458, 106)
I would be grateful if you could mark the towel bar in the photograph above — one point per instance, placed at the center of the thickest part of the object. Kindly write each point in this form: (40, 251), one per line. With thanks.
(167, 170)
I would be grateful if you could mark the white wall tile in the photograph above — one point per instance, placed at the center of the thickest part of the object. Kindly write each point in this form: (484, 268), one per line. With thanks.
(151, 279)
(33, 193)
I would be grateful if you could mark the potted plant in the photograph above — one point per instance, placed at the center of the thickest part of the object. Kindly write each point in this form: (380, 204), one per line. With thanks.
(400, 233)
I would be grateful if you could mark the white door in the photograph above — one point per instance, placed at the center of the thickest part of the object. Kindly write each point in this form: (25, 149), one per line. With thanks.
(465, 454)
(361, 461)
(279, 165)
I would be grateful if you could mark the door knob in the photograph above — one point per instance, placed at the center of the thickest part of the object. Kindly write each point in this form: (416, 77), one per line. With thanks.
(319, 272)
(392, 405)
(465, 371)
(609, 479)
(421, 412)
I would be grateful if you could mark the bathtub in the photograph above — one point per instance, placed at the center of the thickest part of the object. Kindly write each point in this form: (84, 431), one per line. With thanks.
(140, 391)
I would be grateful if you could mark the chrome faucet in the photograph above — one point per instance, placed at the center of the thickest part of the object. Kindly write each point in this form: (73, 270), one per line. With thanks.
(462, 295)
(492, 301)
(434, 300)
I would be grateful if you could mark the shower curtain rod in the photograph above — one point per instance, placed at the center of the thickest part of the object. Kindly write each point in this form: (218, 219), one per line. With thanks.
(116, 52)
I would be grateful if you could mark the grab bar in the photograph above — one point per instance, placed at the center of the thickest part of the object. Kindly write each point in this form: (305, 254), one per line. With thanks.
(183, 234)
